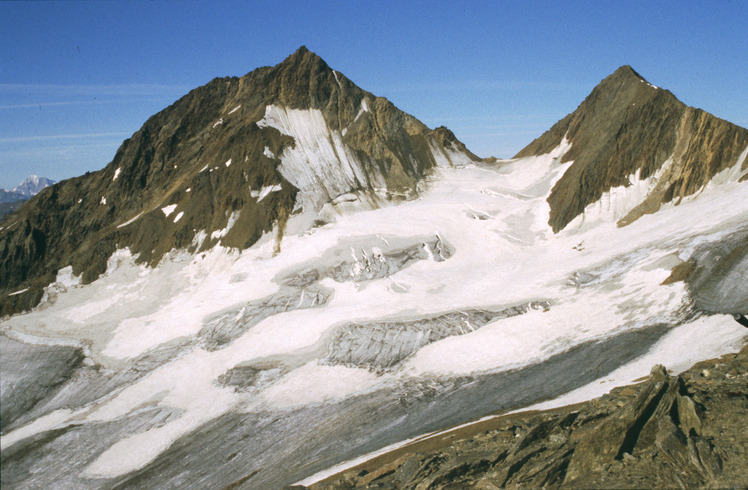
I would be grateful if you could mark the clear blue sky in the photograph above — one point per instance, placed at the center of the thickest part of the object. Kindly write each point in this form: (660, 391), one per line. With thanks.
(78, 78)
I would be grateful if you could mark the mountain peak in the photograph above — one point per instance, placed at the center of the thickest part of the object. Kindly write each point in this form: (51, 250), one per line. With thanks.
(302, 57)
(628, 128)
(32, 185)
(625, 75)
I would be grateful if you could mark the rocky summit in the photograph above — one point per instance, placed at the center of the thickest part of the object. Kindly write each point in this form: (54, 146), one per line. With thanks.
(282, 278)
(224, 164)
(628, 130)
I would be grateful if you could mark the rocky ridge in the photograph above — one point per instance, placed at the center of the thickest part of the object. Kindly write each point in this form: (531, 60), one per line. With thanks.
(683, 430)
(628, 130)
(226, 163)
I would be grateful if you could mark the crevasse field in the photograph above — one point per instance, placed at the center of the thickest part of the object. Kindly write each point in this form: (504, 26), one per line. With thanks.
(381, 325)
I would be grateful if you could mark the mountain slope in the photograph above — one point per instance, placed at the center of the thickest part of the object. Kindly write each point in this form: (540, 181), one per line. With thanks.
(224, 164)
(627, 131)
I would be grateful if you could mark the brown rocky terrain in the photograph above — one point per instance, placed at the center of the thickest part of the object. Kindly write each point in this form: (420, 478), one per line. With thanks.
(669, 431)
(207, 156)
(627, 125)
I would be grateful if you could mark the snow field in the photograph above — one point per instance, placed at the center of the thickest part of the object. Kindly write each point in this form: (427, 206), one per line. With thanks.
(504, 254)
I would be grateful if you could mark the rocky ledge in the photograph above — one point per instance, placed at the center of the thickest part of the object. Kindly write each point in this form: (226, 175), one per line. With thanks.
(669, 431)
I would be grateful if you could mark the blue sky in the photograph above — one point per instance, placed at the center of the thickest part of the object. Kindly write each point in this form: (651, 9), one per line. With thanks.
(76, 79)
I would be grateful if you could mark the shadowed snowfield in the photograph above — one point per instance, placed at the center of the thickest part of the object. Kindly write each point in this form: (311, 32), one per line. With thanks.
(377, 327)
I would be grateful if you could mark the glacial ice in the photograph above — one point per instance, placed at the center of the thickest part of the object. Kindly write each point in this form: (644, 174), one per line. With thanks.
(389, 320)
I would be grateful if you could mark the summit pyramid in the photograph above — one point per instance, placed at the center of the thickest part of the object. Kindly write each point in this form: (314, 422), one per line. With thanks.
(629, 130)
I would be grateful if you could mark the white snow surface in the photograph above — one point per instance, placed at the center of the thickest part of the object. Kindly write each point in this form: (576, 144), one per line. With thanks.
(167, 210)
(495, 218)
(131, 220)
(319, 164)
(116, 173)
(263, 192)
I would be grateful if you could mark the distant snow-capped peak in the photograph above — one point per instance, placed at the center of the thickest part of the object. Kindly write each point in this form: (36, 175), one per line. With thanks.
(32, 185)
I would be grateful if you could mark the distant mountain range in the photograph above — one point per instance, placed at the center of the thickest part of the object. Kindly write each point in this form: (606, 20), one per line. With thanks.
(11, 199)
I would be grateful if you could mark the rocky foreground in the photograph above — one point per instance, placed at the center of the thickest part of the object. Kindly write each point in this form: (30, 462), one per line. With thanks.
(687, 430)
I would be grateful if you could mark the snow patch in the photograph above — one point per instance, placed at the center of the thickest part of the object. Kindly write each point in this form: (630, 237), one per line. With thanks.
(653, 86)
(234, 109)
(222, 233)
(364, 108)
(731, 174)
(228, 162)
(66, 278)
(268, 153)
(132, 220)
(217, 123)
(102, 200)
(116, 173)
(167, 210)
(179, 216)
(262, 193)
(18, 292)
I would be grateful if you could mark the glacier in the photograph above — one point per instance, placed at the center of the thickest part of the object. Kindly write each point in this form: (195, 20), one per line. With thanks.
(376, 327)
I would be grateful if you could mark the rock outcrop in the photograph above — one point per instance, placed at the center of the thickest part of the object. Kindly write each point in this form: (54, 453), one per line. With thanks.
(628, 129)
(669, 431)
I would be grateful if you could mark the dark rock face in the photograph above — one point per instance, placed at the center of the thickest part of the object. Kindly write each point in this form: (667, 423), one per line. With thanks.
(626, 125)
(685, 431)
(199, 167)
